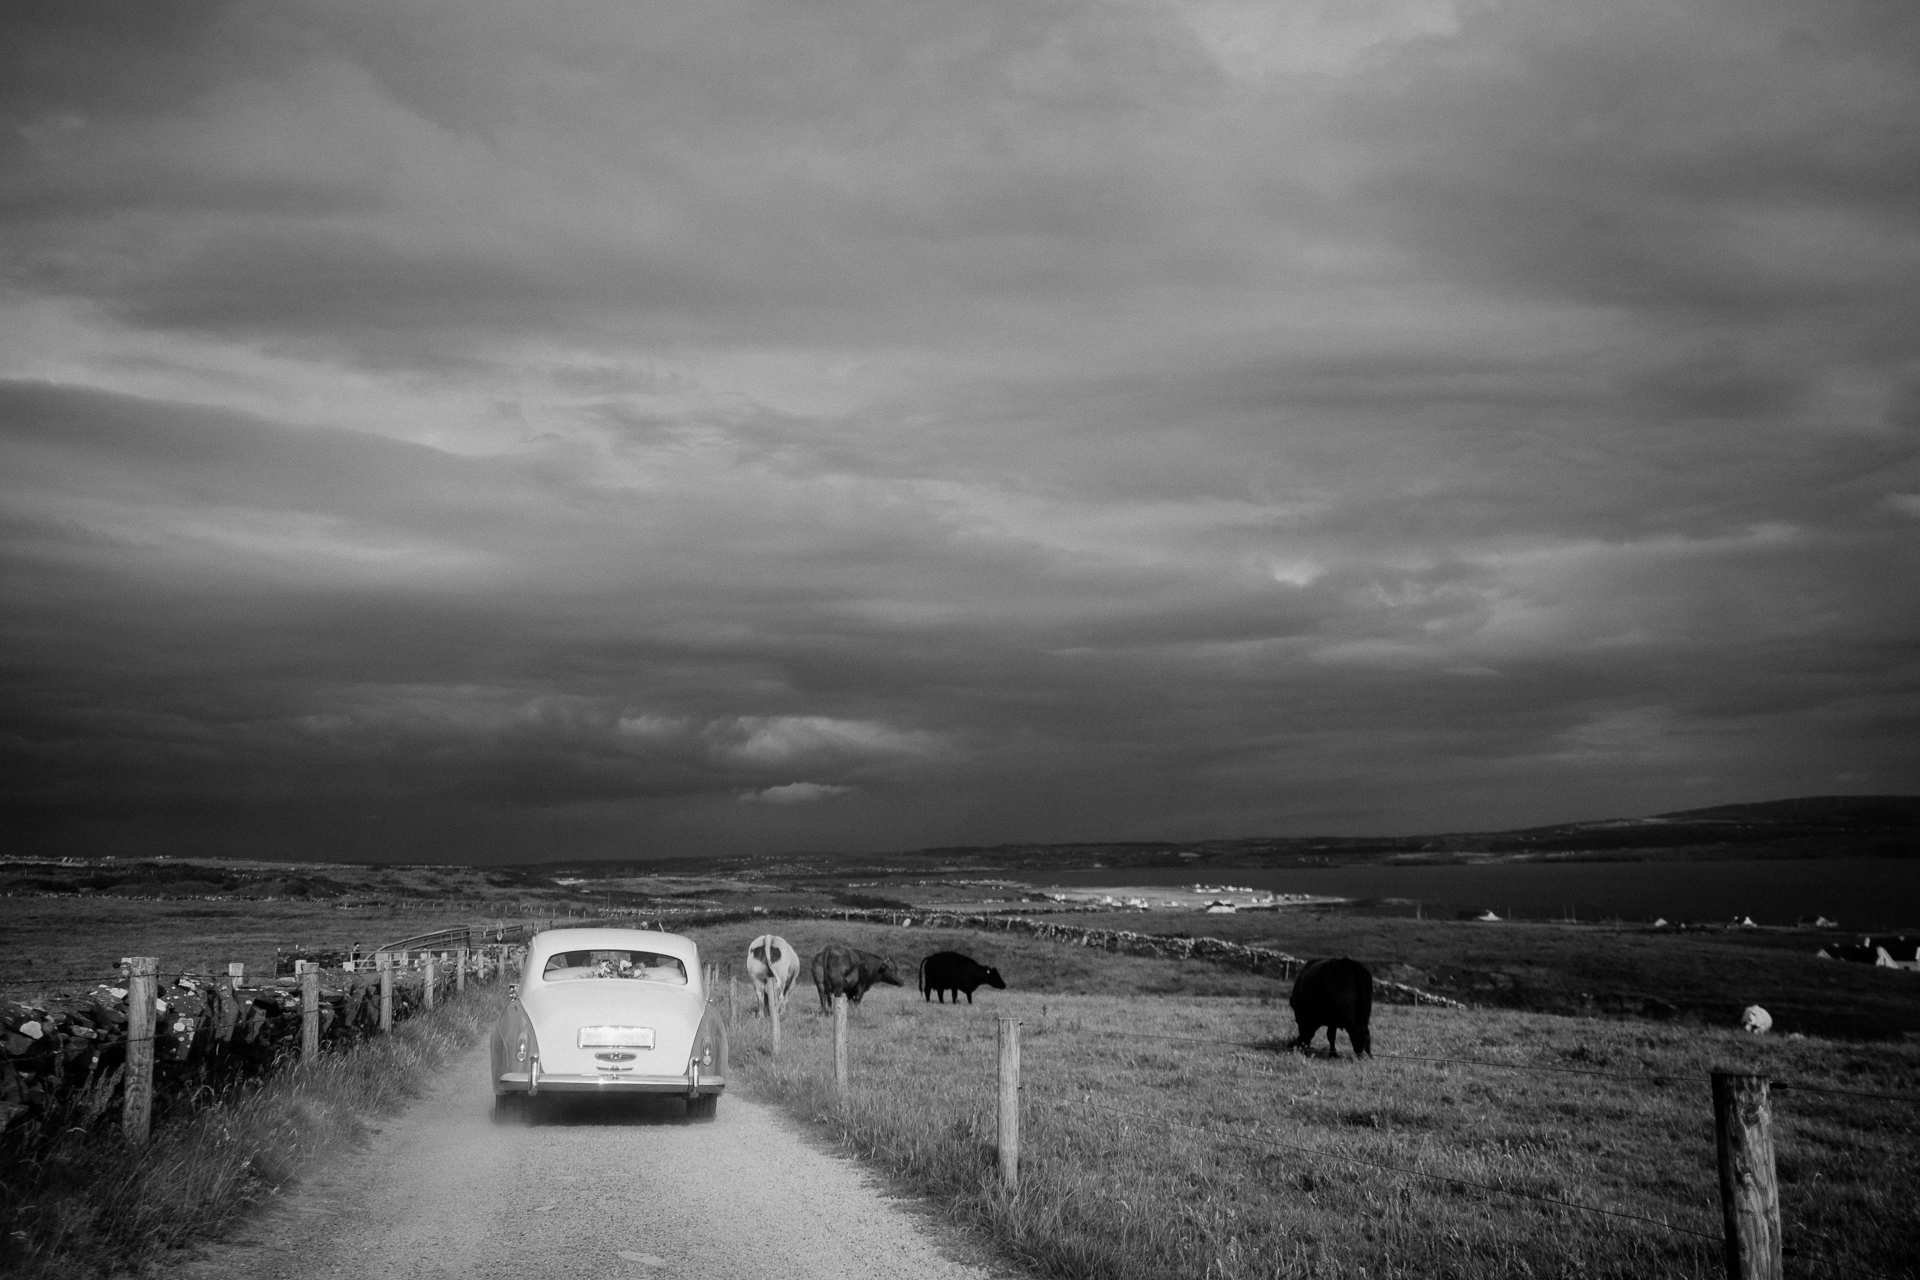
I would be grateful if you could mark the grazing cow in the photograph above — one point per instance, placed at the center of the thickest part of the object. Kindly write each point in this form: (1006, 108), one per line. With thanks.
(945, 971)
(1337, 995)
(843, 970)
(1756, 1020)
(772, 965)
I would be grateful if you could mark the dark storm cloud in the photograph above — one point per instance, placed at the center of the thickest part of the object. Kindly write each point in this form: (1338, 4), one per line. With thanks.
(491, 428)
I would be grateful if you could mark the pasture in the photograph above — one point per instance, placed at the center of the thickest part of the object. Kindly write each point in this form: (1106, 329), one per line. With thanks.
(49, 943)
(1151, 1157)
(1548, 966)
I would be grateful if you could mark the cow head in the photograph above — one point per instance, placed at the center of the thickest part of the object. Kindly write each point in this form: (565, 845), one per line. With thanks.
(888, 973)
(994, 980)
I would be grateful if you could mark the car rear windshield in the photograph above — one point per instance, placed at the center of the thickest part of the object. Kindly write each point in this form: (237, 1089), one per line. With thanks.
(646, 966)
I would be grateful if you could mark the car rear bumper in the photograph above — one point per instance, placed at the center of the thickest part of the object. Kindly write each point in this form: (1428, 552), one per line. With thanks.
(517, 1082)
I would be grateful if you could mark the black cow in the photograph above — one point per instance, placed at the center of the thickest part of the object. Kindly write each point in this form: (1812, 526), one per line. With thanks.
(1337, 995)
(945, 971)
(843, 970)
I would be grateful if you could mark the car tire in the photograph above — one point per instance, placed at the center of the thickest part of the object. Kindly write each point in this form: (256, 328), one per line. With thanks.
(703, 1108)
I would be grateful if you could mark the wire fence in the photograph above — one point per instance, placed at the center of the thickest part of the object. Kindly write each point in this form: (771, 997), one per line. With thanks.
(1816, 1256)
(1065, 1102)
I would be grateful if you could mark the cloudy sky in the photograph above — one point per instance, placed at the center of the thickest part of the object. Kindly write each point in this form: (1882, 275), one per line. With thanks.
(522, 430)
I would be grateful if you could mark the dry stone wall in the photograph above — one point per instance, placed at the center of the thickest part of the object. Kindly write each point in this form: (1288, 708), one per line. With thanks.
(1231, 955)
(62, 1057)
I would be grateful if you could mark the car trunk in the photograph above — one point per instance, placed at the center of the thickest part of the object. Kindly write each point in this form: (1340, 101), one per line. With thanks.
(560, 1010)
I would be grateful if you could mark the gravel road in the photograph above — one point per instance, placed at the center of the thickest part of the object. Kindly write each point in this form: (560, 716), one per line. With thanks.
(630, 1189)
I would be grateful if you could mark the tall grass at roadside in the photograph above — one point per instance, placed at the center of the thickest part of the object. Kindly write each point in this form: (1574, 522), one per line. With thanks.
(94, 1205)
(1119, 1178)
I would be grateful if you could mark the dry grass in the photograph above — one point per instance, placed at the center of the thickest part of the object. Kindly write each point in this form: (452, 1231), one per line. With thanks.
(67, 944)
(93, 1205)
(1029, 964)
(1549, 967)
(1145, 1193)
(1120, 1180)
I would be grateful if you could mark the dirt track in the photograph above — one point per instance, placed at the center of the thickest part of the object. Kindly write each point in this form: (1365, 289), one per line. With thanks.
(586, 1190)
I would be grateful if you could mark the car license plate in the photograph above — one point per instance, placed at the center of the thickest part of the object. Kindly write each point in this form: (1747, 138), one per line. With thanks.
(616, 1037)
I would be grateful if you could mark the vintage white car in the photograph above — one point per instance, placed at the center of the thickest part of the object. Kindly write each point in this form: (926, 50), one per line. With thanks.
(609, 1011)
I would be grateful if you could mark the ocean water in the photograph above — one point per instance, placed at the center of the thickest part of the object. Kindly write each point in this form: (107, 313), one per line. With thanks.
(1877, 894)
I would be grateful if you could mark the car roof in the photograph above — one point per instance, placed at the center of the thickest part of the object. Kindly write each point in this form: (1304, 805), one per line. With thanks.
(555, 940)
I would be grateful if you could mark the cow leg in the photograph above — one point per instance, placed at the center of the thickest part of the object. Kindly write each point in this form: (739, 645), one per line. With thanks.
(956, 998)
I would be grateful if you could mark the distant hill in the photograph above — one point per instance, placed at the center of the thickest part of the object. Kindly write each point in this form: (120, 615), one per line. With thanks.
(1890, 811)
(1808, 827)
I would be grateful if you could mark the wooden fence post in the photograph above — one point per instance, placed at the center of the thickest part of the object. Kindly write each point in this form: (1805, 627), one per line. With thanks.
(733, 998)
(309, 1011)
(1749, 1190)
(840, 1043)
(226, 1009)
(136, 1113)
(1010, 1102)
(237, 972)
(460, 971)
(385, 961)
(432, 972)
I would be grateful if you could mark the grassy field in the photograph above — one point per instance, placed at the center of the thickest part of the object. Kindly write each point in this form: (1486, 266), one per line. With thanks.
(1164, 1157)
(1544, 967)
(1029, 964)
(51, 943)
(1563, 968)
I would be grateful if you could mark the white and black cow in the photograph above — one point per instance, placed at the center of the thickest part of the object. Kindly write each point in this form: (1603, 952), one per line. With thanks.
(773, 966)
(945, 971)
